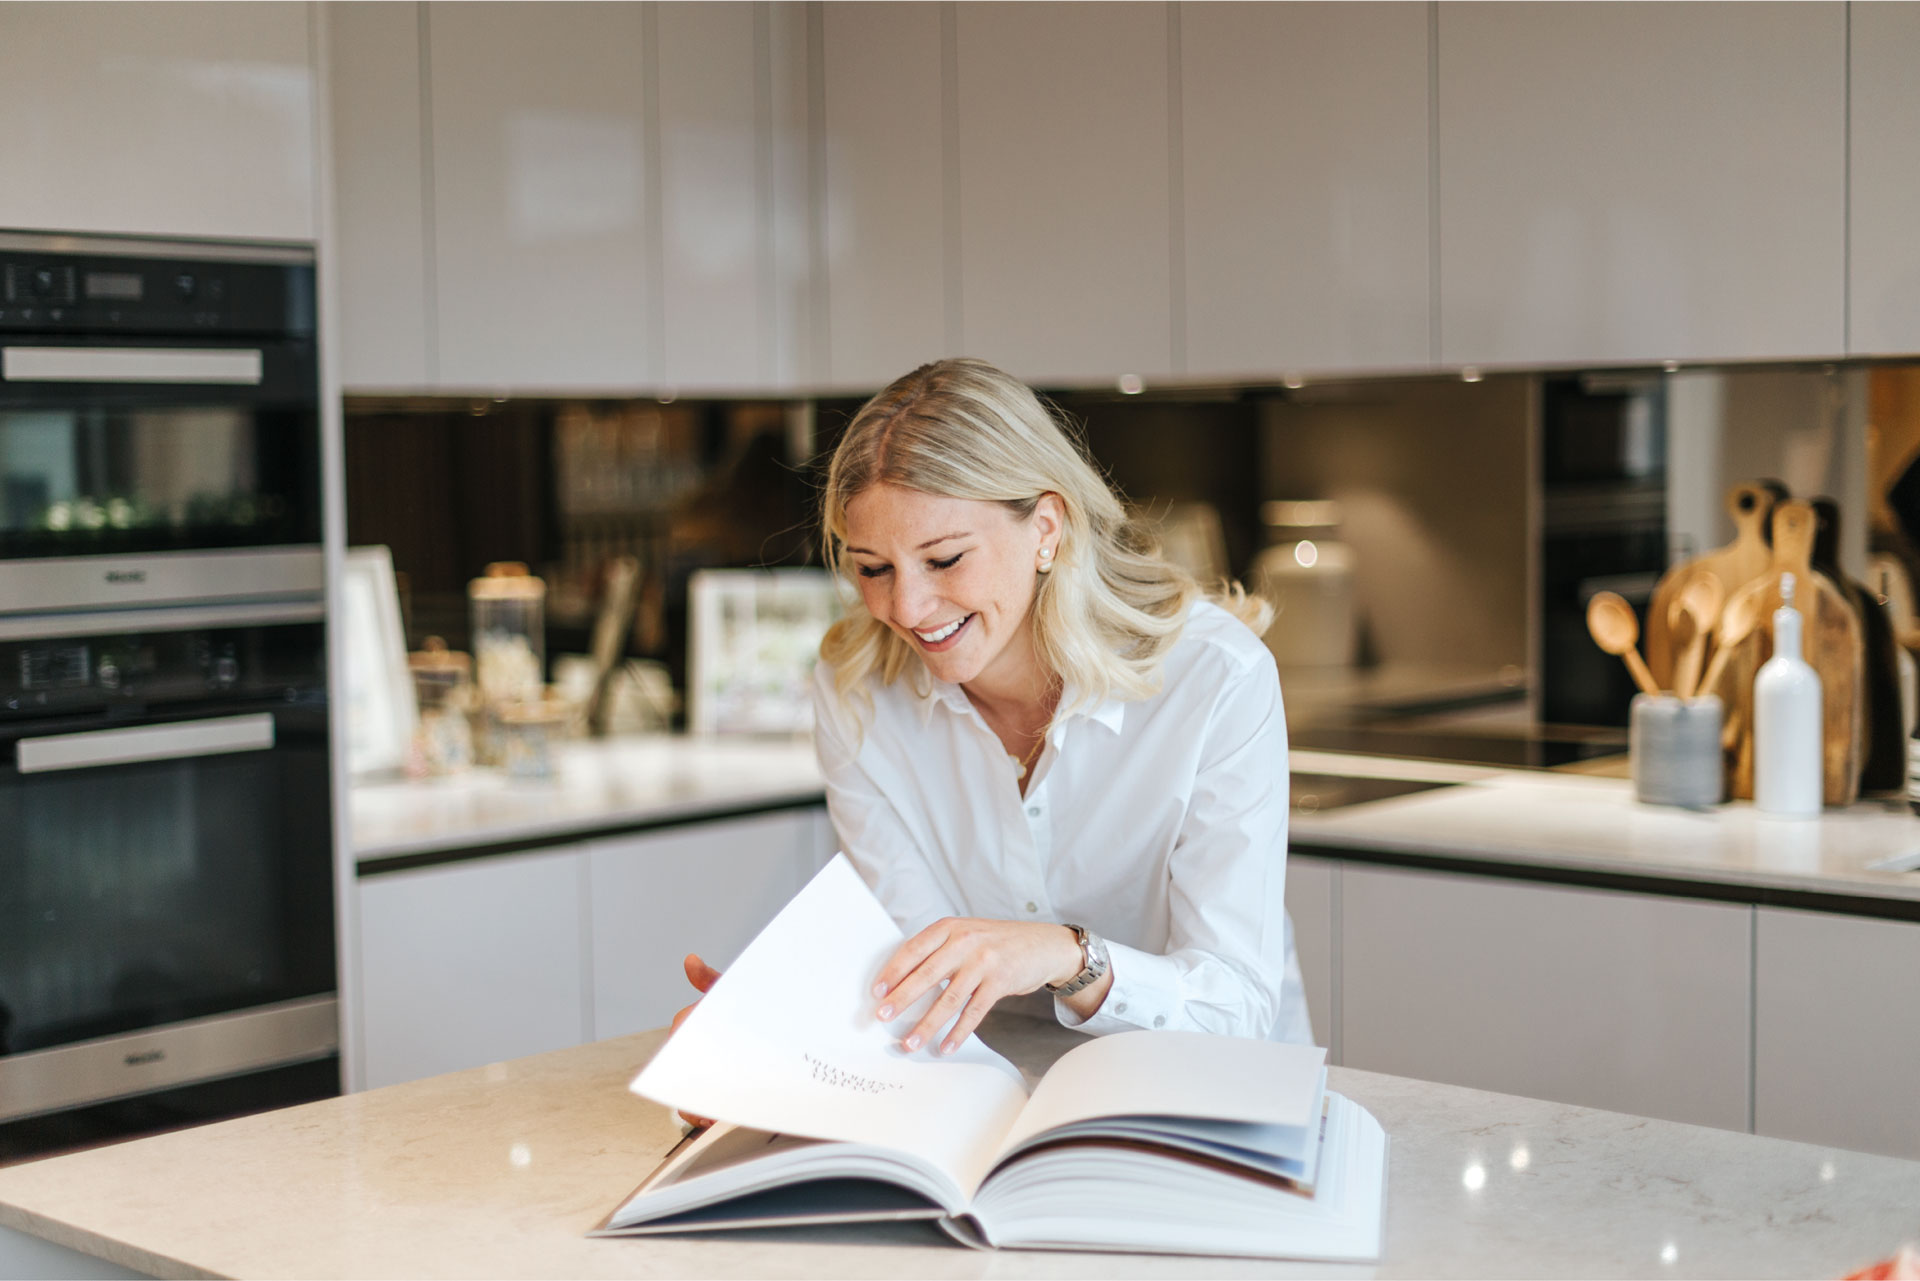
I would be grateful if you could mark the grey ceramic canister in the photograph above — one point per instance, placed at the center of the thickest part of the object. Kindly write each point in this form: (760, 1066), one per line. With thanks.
(1673, 745)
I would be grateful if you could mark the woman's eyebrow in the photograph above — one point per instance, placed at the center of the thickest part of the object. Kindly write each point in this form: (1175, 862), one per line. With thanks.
(931, 542)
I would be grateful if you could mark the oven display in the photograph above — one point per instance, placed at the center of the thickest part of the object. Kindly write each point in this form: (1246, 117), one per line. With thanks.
(55, 667)
(115, 286)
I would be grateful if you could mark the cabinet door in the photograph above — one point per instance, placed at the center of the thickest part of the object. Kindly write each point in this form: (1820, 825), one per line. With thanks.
(887, 189)
(1641, 182)
(1884, 178)
(1065, 240)
(471, 963)
(1304, 179)
(1310, 906)
(1835, 1037)
(540, 195)
(705, 888)
(1624, 1001)
(379, 194)
(158, 119)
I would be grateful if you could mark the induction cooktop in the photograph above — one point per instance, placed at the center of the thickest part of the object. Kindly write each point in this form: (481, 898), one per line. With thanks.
(1526, 751)
(1311, 793)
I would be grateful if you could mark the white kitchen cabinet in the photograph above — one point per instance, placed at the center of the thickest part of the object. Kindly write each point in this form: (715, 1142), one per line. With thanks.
(471, 963)
(540, 196)
(1065, 187)
(887, 230)
(706, 888)
(1884, 180)
(1835, 1037)
(1631, 1002)
(1311, 897)
(379, 194)
(1304, 179)
(1623, 183)
(158, 119)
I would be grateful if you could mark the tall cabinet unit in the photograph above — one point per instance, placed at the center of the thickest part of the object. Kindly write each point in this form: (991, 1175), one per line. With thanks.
(1304, 179)
(1641, 182)
(1065, 189)
(380, 194)
(886, 232)
(158, 119)
(1883, 265)
(537, 117)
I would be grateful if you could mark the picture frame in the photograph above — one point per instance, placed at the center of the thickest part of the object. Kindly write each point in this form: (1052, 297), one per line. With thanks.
(379, 713)
(753, 636)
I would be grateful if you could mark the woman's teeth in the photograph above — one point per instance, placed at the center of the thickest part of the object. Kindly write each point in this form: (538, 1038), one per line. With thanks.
(935, 637)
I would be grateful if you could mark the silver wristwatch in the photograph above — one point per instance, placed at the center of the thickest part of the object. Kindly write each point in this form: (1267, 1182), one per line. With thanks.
(1093, 949)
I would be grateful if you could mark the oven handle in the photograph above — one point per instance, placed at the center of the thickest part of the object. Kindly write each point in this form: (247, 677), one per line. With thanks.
(138, 743)
(210, 366)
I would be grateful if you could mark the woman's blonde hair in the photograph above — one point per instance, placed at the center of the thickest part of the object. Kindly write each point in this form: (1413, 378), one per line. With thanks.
(1105, 617)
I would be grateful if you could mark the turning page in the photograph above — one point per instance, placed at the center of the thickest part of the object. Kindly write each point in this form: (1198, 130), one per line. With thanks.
(787, 1042)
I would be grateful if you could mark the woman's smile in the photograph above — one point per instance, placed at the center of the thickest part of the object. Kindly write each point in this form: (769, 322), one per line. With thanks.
(938, 639)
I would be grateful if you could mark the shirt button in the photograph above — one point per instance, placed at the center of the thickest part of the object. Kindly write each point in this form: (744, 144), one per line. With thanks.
(1120, 1008)
(1032, 906)
(1159, 1020)
(1033, 811)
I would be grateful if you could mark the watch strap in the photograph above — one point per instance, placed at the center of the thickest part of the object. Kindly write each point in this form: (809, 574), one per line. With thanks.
(1093, 952)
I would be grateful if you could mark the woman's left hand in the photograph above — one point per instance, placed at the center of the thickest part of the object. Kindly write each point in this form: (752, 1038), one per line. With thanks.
(981, 962)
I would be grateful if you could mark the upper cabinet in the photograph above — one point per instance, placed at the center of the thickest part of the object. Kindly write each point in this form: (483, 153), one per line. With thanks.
(1641, 182)
(1065, 189)
(1304, 177)
(379, 194)
(886, 232)
(158, 119)
(1884, 260)
(540, 195)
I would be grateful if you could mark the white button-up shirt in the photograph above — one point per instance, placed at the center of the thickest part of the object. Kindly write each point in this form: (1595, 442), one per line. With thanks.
(1159, 824)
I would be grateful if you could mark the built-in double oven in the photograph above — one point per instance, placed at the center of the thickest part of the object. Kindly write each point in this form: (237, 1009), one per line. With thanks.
(166, 882)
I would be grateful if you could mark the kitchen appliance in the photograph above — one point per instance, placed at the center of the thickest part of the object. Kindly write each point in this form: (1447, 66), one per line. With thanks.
(166, 864)
(1306, 572)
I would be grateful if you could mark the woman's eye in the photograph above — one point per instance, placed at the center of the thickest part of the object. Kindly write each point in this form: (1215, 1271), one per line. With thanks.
(948, 563)
(872, 571)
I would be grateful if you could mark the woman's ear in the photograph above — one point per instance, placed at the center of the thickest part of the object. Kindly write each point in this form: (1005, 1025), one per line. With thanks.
(1050, 520)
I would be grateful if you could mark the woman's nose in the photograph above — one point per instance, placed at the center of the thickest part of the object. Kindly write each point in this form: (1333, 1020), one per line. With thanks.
(911, 599)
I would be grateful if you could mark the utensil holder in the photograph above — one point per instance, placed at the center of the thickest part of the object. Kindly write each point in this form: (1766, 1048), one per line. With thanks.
(1673, 747)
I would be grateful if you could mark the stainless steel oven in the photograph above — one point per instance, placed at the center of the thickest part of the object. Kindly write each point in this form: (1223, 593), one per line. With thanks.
(166, 863)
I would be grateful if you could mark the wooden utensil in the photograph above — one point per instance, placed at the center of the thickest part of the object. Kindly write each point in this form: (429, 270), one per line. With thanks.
(1737, 622)
(1698, 609)
(1832, 641)
(1735, 565)
(1615, 629)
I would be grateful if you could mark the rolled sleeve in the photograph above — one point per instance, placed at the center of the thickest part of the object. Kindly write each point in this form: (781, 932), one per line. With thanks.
(1227, 964)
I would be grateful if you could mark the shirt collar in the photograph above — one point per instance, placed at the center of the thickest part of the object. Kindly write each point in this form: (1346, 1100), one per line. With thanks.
(1111, 712)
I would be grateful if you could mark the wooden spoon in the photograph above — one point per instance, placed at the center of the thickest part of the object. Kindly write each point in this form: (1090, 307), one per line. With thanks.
(1697, 610)
(1615, 629)
(1737, 622)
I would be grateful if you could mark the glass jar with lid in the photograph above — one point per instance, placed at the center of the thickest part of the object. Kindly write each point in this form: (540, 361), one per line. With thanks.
(508, 607)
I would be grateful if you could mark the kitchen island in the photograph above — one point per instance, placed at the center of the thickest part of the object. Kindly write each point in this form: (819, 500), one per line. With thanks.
(501, 1170)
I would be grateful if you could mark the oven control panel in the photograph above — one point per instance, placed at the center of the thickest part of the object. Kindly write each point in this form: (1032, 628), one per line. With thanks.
(90, 675)
(43, 292)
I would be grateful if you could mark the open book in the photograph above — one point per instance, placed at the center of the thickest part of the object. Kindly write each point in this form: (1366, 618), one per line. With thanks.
(1170, 1142)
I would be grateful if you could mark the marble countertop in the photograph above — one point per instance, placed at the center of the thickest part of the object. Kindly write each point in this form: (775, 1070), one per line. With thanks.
(1550, 819)
(597, 784)
(499, 1171)
(1540, 819)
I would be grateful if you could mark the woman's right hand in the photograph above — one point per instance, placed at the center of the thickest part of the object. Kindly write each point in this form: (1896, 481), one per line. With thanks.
(703, 977)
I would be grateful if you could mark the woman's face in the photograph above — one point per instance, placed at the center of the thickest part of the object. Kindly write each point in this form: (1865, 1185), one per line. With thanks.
(953, 577)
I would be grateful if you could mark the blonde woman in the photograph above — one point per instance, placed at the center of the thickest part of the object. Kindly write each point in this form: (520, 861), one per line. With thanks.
(1054, 762)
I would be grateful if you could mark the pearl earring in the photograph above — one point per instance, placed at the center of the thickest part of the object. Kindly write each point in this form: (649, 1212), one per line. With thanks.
(1046, 560)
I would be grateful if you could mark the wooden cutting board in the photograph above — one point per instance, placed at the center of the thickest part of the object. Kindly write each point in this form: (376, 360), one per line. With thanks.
(1735, 565)
(1832, 644)
(1884, 764)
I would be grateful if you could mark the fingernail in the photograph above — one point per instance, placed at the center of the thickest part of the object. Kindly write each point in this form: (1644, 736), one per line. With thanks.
(912, 1042)
(879, 990)
(885, 1012)
(949, 1047)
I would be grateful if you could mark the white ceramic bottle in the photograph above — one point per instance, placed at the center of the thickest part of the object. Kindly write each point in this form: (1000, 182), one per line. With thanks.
(1787, 764)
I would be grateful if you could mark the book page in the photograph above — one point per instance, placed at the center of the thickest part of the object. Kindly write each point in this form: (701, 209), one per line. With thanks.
(1177, 1074)
(787, 1042)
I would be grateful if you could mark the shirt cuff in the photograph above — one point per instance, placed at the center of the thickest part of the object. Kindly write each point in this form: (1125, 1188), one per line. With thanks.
(1146, 993)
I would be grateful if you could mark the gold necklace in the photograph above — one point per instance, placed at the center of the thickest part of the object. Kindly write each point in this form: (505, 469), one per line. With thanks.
(1023, 763)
